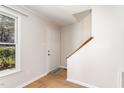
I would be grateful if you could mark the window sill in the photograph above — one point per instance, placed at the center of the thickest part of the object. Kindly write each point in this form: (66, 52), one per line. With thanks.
(9, 72)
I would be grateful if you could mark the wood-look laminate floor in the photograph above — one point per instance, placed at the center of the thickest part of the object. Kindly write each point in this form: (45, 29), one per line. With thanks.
(54, 81)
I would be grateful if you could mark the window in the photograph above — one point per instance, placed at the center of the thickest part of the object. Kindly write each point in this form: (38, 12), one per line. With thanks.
(8, 44)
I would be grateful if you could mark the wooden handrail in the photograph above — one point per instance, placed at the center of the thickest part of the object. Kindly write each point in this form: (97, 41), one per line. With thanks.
(80, 46)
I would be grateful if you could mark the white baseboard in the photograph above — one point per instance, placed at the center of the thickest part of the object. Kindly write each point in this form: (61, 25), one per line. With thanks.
(63, 67)
(82, 83)
(34, 79)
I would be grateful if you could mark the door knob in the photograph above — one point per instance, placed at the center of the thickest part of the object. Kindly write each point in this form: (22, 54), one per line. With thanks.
(48, 54)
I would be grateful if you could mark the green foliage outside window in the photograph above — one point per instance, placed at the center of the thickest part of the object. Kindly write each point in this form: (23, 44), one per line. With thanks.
(7, 58)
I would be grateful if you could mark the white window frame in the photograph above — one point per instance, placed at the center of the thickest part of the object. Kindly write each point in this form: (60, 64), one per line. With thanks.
(16, 42)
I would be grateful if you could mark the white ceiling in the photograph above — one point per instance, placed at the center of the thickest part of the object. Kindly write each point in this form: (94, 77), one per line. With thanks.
(61, 15)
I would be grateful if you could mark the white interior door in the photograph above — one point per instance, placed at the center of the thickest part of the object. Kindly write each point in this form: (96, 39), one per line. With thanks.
(53, 48)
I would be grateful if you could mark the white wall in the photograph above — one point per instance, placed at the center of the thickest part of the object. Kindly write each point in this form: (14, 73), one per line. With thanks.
(100, 62)
(72, 36)
(33, 51)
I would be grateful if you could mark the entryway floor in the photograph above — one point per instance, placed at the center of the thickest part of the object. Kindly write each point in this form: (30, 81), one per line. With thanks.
(54, 81)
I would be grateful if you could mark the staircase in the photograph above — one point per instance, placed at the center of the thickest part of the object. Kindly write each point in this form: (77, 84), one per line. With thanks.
(75, 63)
